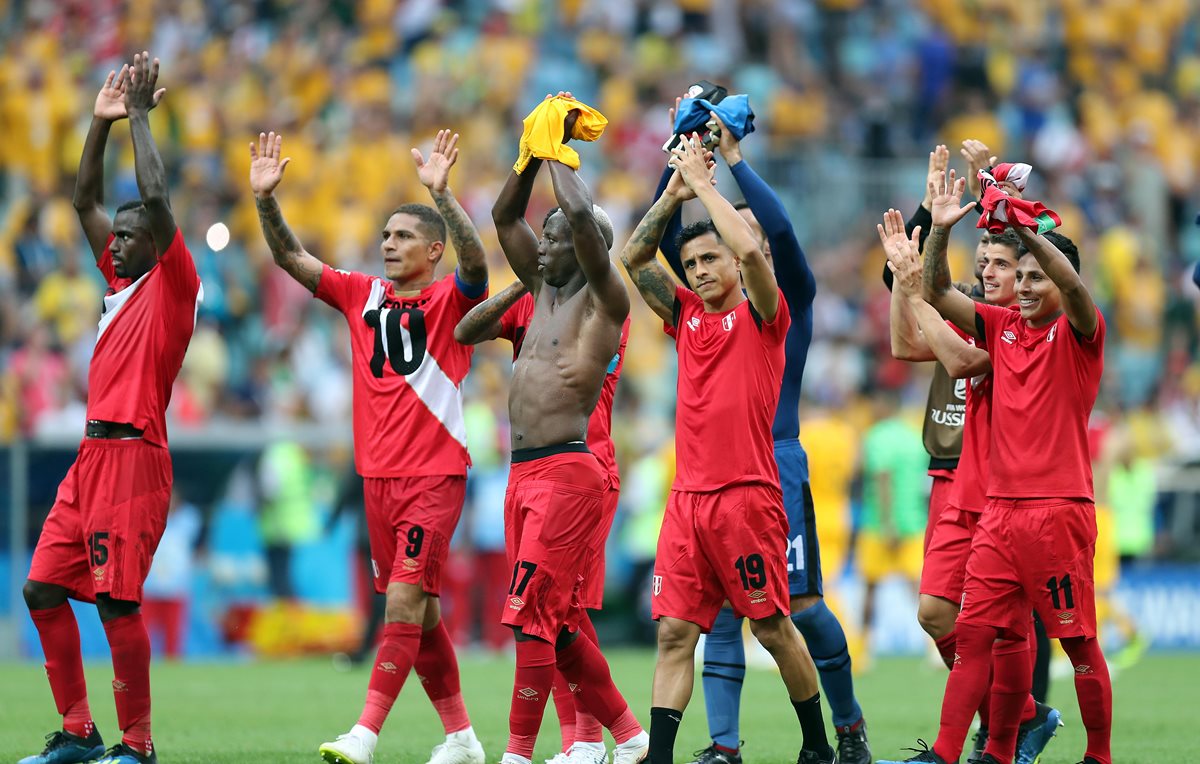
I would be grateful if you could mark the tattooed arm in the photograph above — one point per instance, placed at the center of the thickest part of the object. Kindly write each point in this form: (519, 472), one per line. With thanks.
(434, 174)
(640, 256)
(482, 323)
(938, 289)
(266, 170)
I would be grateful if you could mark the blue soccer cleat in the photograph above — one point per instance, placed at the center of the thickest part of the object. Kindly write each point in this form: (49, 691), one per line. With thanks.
(64, 748)
(1036, 733)
(123, 754)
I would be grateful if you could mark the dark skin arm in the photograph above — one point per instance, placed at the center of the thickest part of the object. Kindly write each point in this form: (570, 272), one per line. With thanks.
(517, 239)
(482, 323)
(590, 248)
(148, 164)
(89, 188)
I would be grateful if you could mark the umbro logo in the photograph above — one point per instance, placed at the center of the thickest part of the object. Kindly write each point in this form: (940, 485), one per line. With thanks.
(410, 564)
(1008, 337)
(98, 574)
(119, 686)
(957, 658)
(758, 595)
(516, 603)
(1083, 668)
(693, 323)
(387, 666)
(1066, 617)
(572, 687)
(528, 693)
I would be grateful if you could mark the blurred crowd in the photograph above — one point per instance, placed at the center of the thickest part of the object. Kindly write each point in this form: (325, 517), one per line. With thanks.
(1102, 97)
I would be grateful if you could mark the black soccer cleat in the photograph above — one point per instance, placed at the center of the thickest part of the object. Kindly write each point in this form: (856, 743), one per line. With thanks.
(808, 756)
(852, 747)
(711, 755)
(976, 754)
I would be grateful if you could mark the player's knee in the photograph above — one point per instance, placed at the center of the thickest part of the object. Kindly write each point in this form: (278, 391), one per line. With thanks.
(802, 602)
(936, 617)
(774, 633)
(405, 604)
(110, 609)
(676, 636)
(40, 596)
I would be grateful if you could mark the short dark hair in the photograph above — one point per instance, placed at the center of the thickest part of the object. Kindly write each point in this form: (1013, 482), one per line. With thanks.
(132, 204)
(695, 231)
(1008, 239)
(1064, 245)
(429, 221)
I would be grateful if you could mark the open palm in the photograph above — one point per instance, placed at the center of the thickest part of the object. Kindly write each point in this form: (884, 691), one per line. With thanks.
(110, 102)
(946, 194)
(266, 169)
(434, 173)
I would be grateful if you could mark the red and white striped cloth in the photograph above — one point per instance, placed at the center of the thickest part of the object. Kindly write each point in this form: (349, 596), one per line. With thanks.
(1001, 210)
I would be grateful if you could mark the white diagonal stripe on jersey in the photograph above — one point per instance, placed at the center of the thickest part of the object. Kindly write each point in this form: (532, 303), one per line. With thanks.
(113, 303)
(437, 391)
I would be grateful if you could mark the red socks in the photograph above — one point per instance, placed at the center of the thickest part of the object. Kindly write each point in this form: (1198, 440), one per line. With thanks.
(129, 643)
(1093, 688)
(59, 634)
(564, 706)
(437, 668)
(965, 688)
(394, 659)
(531, 689)
(1010, 695)
(946, 646)
(584, 666)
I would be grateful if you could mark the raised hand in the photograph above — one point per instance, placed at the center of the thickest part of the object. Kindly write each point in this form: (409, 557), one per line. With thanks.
(939, 160)
(693, 164)
(434, 173)
(978, 157)
(671, 112)
(266, 169)
(140, 93)
(110, 102)
(945, 193)
(903, 253)
(729, 146)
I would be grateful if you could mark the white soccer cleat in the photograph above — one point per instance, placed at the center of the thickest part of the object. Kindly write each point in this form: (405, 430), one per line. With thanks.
(354, 747)
(460, 748)
(587, 753)
(559, 758)
(512, 758)
(633, 750)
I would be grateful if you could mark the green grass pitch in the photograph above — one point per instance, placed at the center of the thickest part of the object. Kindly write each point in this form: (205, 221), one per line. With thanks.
(281, 711)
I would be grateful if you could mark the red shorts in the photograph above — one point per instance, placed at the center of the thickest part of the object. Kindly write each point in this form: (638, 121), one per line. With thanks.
(552, 534)
(410, 521)
(947, 552)
(722, 545)
(592, 596)
(1033, 554)
(939, 500)
(106, 521)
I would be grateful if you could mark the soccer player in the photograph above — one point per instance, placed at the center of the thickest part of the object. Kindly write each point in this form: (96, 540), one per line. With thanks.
(921, 334)
(409, 434)
(1035, 540)
(508, 314)
(554, 506)
(111, 509)
(724, 650)
(725, 522)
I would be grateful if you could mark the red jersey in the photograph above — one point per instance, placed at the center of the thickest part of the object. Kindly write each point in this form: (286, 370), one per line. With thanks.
(408, 372)
(969, 490)
(730, 372)
(144, 333)
(1045, 383)
(513, 325)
